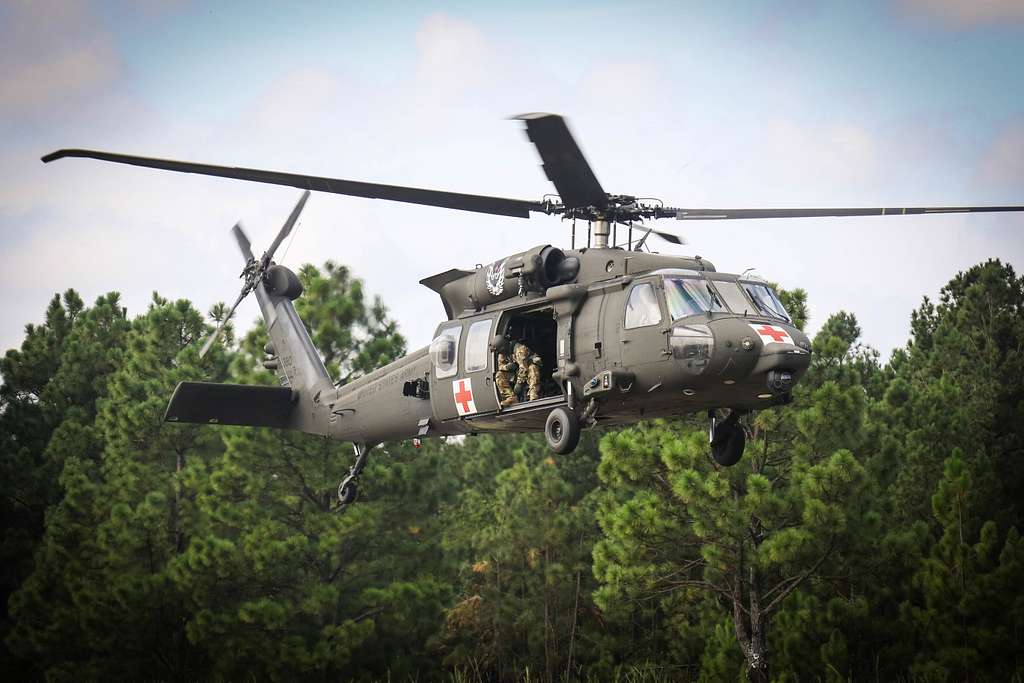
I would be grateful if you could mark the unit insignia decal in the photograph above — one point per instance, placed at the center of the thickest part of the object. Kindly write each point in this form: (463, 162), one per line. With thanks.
(496, 277)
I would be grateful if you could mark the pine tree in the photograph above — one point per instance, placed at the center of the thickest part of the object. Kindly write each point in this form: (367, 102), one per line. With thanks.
(678, 529)
(521, 536)
(281, 584)
(48, 410)
(99, 602)
(960, 387)
(968, 609)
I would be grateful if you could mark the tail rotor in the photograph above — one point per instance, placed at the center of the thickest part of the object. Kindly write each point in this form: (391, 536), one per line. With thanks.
(255, 271)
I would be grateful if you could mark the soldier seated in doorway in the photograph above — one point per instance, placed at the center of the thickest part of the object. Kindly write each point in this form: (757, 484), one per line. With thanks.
(533, 377)
(521, 356)
(503, 375)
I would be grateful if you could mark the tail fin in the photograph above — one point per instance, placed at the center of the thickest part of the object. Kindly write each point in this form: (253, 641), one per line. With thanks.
(276, 287)
(299, 362)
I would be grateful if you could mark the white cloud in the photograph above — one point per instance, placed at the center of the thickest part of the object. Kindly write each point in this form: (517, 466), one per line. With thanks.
(967, 13)
(452, 56)
(1002, 164)
(297, 100)
(52, 53)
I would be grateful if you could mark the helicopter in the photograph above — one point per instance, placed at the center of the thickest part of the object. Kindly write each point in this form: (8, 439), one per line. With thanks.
(621, 333)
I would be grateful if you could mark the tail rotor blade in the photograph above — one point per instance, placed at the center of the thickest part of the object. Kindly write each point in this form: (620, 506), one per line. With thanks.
(669, 237)
(288, 225)
(220, 328)
(243, 241)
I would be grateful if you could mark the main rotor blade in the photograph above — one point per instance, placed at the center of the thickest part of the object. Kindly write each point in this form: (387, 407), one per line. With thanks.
(288, 225)
(563, 162)
(499, 206)
(729, 214)
(216, 333)
(244, 245)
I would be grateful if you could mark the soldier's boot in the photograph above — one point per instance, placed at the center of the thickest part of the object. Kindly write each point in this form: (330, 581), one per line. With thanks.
(506, 395)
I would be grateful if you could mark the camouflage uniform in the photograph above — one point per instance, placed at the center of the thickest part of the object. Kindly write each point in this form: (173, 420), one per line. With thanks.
(533, 377)
(503, 381)
(521, 354)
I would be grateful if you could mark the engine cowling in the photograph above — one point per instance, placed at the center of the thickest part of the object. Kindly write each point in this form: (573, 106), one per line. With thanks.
(530, 271)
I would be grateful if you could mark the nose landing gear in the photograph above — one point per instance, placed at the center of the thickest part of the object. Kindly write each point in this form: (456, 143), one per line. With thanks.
(727, 438)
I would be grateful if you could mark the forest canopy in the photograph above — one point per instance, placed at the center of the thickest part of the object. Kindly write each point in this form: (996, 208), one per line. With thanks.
(872, 530)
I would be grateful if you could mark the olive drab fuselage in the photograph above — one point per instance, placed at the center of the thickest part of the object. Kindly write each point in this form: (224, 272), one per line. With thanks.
(600, 363)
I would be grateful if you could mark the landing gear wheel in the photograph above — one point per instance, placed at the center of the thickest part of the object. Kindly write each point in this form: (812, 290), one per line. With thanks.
(347, 491)
(727, 443)
(562, 430)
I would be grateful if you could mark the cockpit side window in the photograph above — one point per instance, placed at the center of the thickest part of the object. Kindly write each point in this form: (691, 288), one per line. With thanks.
(444, 351)
(689, 296)
(765, 300)
(642, 307)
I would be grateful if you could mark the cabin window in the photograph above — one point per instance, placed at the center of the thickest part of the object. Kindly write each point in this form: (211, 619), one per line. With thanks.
(642, 307)
(733, 297)
(477, 342)
(444, 351)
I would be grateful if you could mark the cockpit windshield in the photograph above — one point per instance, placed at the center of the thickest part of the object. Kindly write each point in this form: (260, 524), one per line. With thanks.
(765, 300)
(688, 296)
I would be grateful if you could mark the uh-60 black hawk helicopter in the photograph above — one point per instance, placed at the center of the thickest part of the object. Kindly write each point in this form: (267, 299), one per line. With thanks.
(622, 334)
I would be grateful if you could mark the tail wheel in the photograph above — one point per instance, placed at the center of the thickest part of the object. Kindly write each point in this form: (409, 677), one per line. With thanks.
(562, 430)
(347, 491)
(728, 443)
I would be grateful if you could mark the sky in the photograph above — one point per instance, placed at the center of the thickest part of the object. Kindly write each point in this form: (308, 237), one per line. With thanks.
(735, 104)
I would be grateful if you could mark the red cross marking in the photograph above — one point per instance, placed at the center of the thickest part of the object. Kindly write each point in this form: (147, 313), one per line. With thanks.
(464, 396)
(769, 331)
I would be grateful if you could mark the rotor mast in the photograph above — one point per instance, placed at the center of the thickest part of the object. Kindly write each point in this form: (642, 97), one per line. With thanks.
(601, 230)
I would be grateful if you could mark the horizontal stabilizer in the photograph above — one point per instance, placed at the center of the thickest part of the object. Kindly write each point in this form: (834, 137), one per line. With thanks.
(231, 404)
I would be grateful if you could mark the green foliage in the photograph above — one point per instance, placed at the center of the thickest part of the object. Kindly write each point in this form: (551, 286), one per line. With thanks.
(967, 607)
(871, 531)
(520, 540)
(47, 409)
(353, 336)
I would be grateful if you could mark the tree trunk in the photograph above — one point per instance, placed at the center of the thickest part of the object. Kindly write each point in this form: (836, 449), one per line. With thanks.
(750, 624)
(757, 661)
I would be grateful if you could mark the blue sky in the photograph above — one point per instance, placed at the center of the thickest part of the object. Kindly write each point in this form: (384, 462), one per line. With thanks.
(739, 104)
